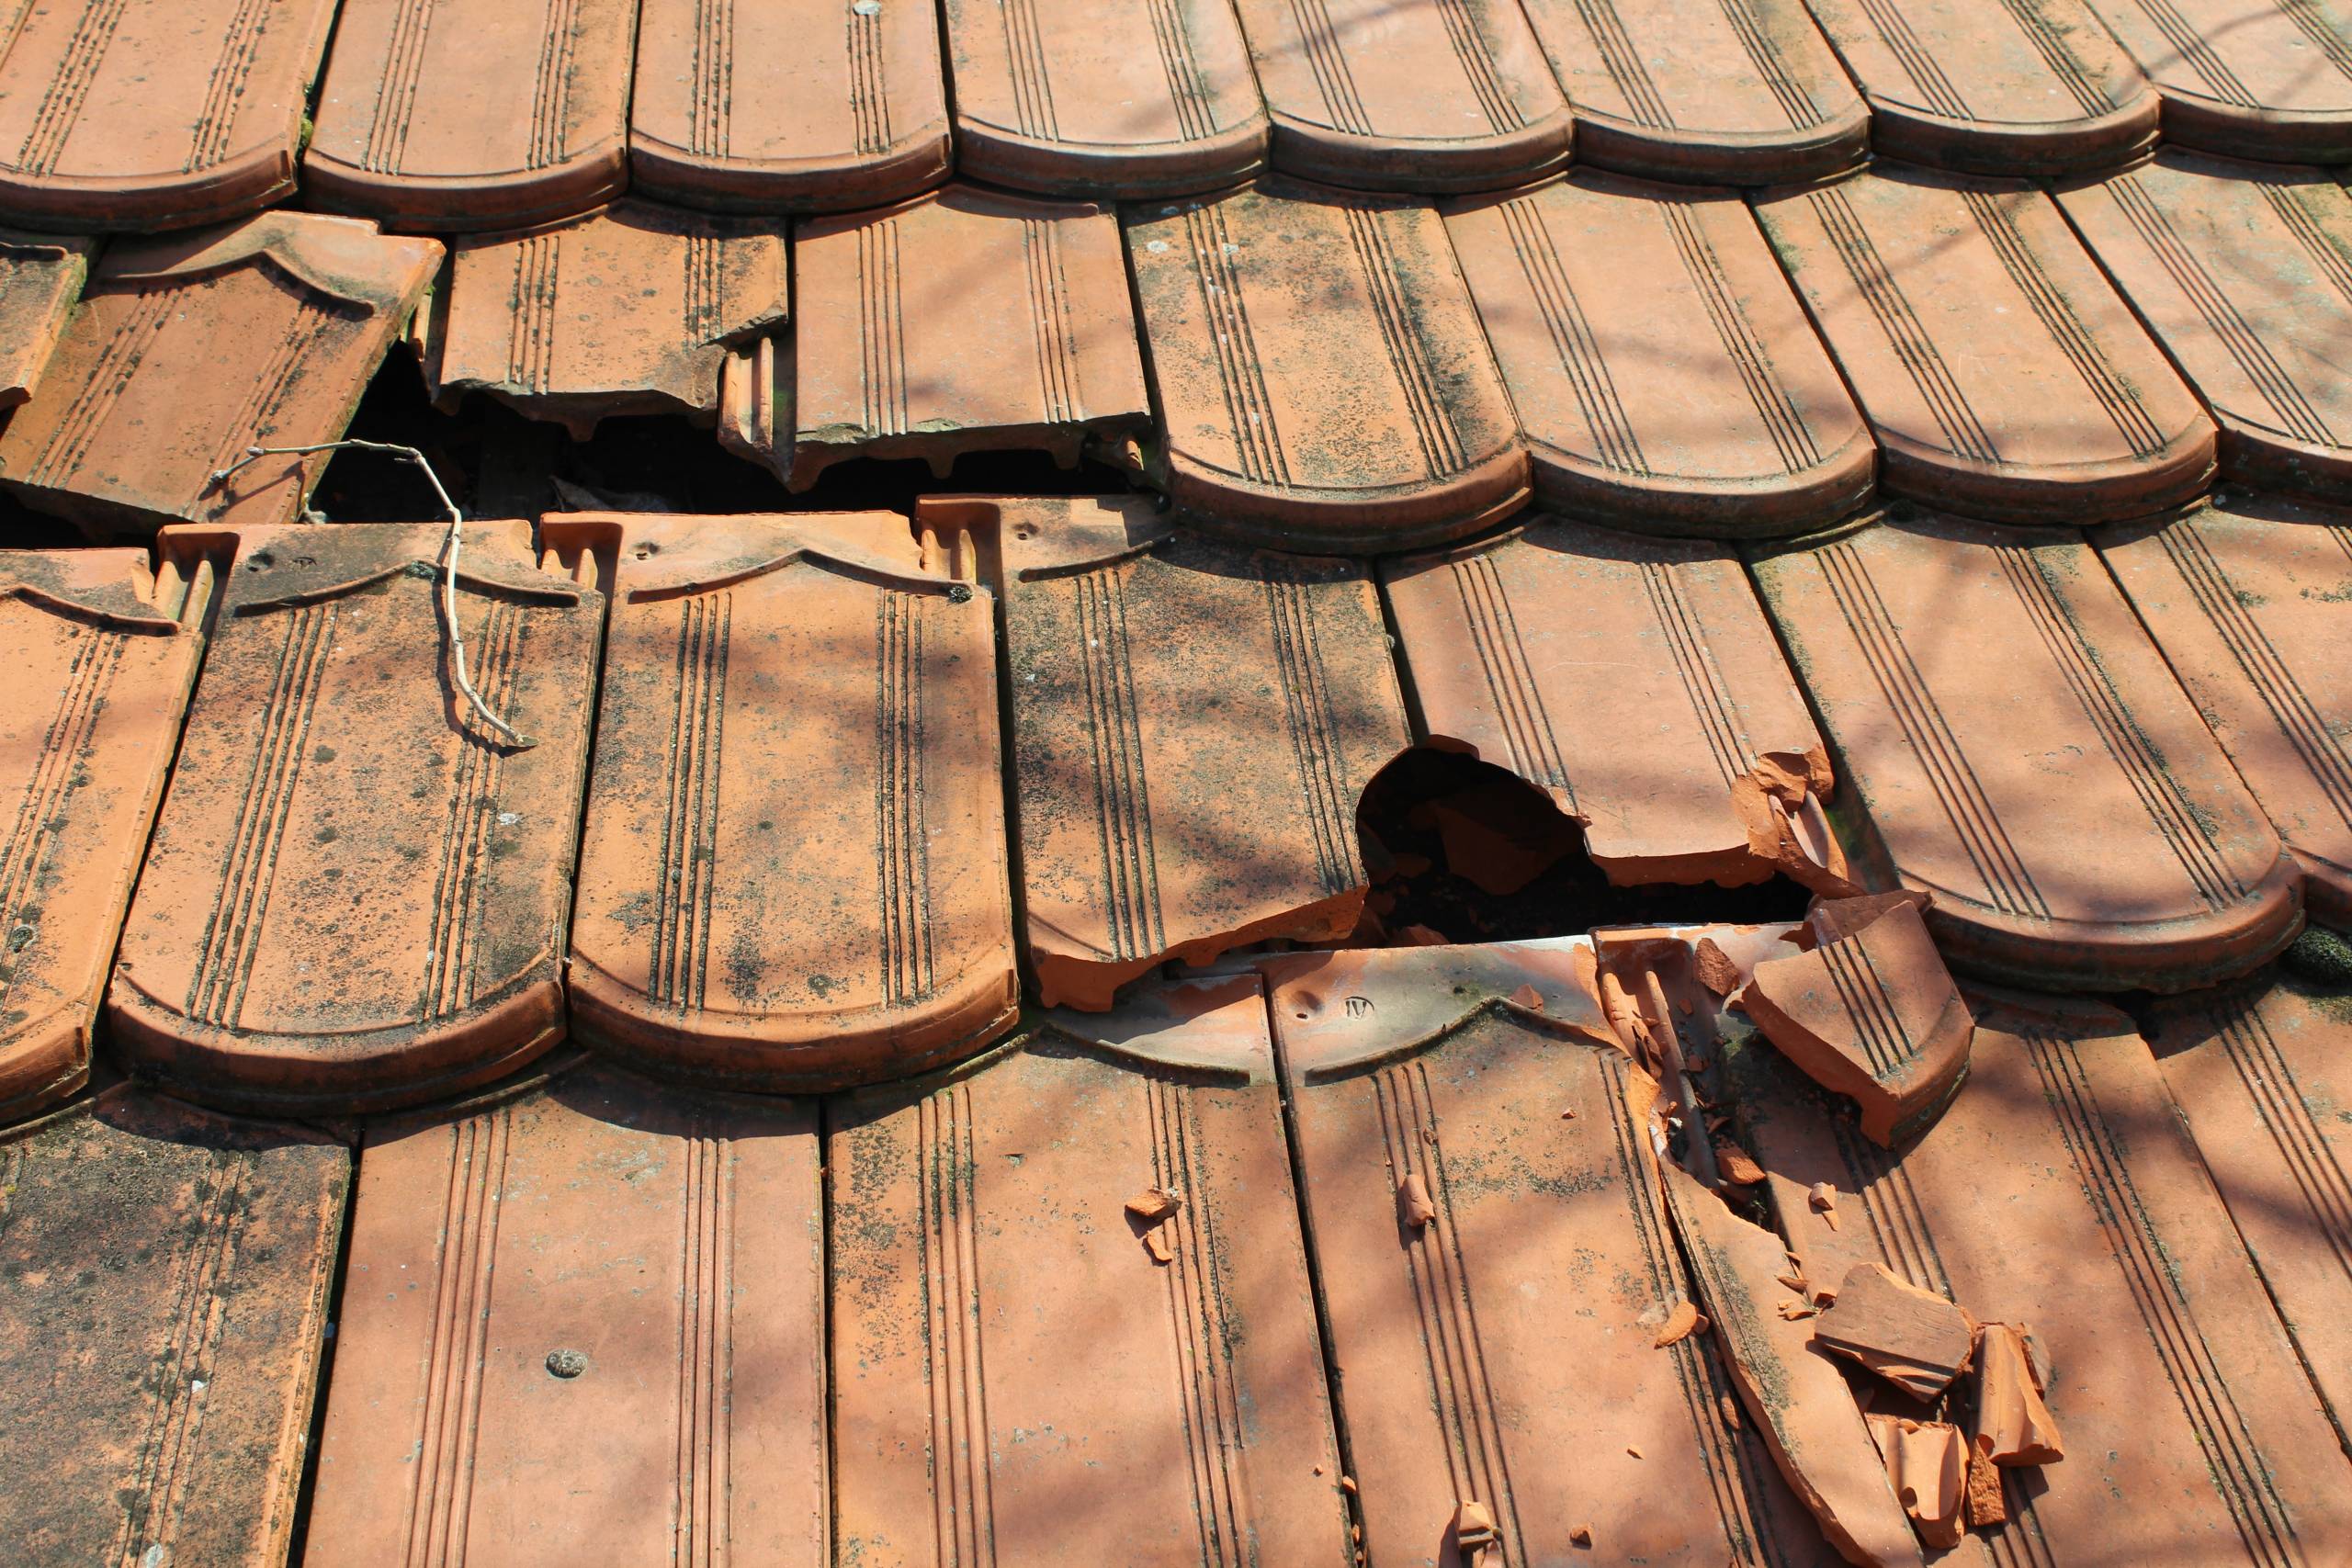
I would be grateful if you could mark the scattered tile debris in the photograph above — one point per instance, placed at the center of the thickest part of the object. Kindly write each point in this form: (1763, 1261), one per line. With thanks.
(1927, 1464)
(1681, 1323)
(41, 276)
(1913, 1339)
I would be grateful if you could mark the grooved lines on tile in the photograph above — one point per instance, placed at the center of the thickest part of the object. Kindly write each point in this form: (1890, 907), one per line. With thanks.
(1408, 355)
(1534, 744)
(882, 330)
(1241, 374)
(551, 101)
(682, 904)
(1711, 708)
(68, 92)
(1058, 376)
(1776, 406)
(902, 844)
(702, 1493)
(1122, 792)
(395, 107)
(869, 81)
(70, 440)
(713, 104)
(65, 753)
(224, 90)
(2268, 1077)
(1187, 88)
(1314, 731)
(1033, 93)
(1573, 338)
(962, 1475)
(458, 906)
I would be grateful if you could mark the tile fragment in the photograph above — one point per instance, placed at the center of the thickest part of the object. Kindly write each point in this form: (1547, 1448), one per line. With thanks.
(2014, 1426)
(1927, 1464)
(40, 281)
(1913, 1339)
(2245, 77)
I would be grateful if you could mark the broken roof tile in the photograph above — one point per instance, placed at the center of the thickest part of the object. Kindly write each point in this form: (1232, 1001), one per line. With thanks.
(164, 1282)
(1322, 379)
(2004, 87)
(2015, 745)
(357, 893)
(2250, 79)
(1666, 762)
(805, 106)
(1028, 1373)
(2250, 598)
(2002, 374)
(793, 874)
(1927, 1464)
(40, 281)
(145, 117)
(2244, 276)
(1407, 95)
(473, 114)
(1743, 93)
(101, 649)
(2061, 1191)
(629, 310)
(1071, 99)
(966, 320)
(1913, 1339)
(581, 1324)
(1509, 1355)
(1664, 373)
(187, 350)
(1193, 724)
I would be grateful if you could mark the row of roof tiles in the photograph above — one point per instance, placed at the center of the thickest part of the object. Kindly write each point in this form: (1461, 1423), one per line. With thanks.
(1296, 367)
(481, 114)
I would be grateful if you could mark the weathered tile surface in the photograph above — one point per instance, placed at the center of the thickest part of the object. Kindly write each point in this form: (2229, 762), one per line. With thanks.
(1664, 374)
(40, 280)
(794, 868)
(2251, 78)
(2002, 374)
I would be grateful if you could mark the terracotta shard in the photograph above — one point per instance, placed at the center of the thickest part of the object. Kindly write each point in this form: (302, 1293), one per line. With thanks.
(793, 869)
(40, 279)
(1520, 1352)
(964, 322)
(163, 1282)
(1913, 1339)
(2250, 598)
(1988, 694)
(1743, 92)
(2004, 87)
(806, 106)
(188, 350)
(1015, 1373)
(2263, 1076)
(2250, 79)
(1407, 95)
(464, 115)
(581, 1324)
(1193, 724)
(2244, 276)
(101, 649)
(1130, 101)
(2003, 376)
(629, 311)
(1927, 1464)
(357, 893)
(1664, 375)
(1320, 374)
(2014, 1426)
(1667, 760)
(2061, 1191)
(146, 116)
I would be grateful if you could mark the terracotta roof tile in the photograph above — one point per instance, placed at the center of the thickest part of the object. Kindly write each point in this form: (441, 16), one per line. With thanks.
(583, 1323)
(189, 349)
(806, 106)
(964, 322)
(2003, 376)
(163, 1282)
(1747, 92)
(1104, 101)
(473, 114)
(1664, 373)
(2255, 81)
(1322, 379)
(356, 893)
(138, 116)
(1090, 1384)
(793, 869)
(628, 312)
(2016, 746)
(40, 280)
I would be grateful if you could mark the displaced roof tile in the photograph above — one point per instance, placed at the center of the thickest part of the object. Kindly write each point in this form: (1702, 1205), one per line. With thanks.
(40, 280)
(2251, 80)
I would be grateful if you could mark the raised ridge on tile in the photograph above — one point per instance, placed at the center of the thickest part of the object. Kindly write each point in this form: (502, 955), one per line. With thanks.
(1320, 375)
(2002, 374)
(2250, 78)
(1733, 92)
(1192, 726)
(1068, 98)
(1665, 375)
(1676, 759)
(2010, 741)
(40, 281)
(793, 869)
(163, 1278)
(2250, 598)
(1407, 95)
(2244, 274)
(191, 348)
(630, 310)
(1996, 87)
(965, 320)
(806, 106)
(116, 115)
(461, 115)
(357, 891)
(2059, 1192)
(1071, 1318)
